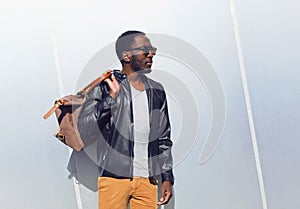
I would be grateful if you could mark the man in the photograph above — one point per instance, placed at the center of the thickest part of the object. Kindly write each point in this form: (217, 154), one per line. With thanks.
(128, 117)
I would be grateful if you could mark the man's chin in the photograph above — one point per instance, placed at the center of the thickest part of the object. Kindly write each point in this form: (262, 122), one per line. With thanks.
(147, 70)
(144, 71)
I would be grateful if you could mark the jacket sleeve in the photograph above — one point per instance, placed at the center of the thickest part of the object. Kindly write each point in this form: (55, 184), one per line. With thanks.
(95, 113)
(165, 143)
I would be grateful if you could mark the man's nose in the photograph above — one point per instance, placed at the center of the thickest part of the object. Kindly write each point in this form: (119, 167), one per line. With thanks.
(150, 54)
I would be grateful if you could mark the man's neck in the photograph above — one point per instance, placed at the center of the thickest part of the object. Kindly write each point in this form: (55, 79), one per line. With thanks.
(137, 83)
(134, 78)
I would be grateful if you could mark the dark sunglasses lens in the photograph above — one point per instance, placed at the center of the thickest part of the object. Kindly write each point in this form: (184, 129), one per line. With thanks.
(148, 49)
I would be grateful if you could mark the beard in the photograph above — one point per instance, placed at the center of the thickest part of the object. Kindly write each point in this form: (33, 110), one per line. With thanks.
(145, 71)
(137, 66)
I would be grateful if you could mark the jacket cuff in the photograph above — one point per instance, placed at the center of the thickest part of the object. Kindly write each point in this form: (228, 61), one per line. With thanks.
(167, 177)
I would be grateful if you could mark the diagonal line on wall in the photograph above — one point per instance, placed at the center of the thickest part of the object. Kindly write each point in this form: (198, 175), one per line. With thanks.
(61, 88)
(248, 104)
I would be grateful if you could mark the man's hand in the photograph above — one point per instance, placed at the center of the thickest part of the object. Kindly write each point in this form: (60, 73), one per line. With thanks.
(113, 85)
(166, 193)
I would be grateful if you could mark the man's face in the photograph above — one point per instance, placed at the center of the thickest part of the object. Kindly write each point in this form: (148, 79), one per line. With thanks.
(142, 53)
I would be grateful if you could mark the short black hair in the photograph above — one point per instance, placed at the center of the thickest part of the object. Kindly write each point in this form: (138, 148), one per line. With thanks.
(125, 41)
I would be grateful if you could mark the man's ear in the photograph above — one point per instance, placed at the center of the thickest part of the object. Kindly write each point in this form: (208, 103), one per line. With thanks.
(125, 56)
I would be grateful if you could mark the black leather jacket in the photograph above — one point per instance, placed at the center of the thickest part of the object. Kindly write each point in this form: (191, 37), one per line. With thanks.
(109, 122)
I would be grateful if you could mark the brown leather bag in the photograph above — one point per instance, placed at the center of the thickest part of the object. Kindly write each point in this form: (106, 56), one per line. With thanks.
(67, 110)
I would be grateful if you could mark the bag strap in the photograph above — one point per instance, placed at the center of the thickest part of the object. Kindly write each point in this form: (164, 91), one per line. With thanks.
(94, 83)
(83, 92)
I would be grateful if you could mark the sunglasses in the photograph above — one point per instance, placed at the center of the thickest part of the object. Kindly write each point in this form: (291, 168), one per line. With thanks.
(145, 49)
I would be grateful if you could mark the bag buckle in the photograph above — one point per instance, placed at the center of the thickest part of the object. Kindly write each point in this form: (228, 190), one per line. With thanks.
(61, 137)
(59, 102)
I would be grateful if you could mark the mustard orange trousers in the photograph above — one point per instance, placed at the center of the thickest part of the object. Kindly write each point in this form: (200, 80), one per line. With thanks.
(138, 192)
